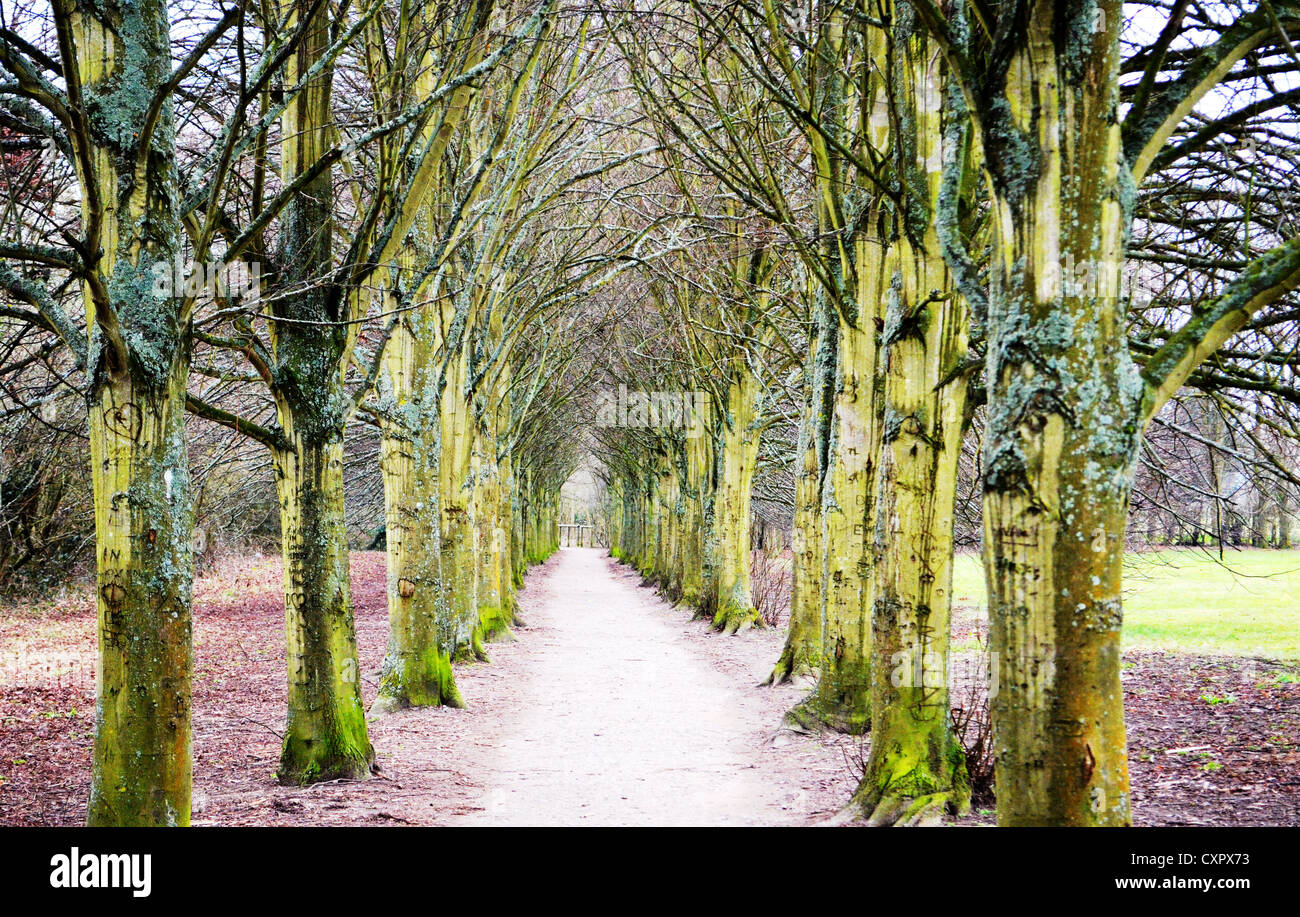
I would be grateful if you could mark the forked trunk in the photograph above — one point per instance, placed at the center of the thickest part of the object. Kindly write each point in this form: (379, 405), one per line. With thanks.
(325, 735)
(139, 358)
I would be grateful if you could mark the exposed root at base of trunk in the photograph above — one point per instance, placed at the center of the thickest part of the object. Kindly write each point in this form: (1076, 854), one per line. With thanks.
(474, 651)
(494, 624)
(912, 789)
(813, 715)
(388, 704)
(791, 668)
(419, 684)
(731, 619)
(809, 719)
(916, 812)
(306, 761)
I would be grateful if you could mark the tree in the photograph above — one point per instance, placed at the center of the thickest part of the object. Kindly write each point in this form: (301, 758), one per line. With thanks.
(113, 117)
(1067, 403)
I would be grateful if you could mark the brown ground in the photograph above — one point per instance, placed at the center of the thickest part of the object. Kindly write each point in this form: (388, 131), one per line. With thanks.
(610, 708)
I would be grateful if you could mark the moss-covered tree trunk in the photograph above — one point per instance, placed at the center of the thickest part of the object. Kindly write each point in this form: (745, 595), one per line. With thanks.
(417, 667)
(519, 528)
(493, 614)
(325, 736)
(653, 516)
(505, 534)
(423, 635)
(1063, 427)
(141, 765)
(1066, 404)
(734, 608)
(502, 533)
(804, 636)
(670, 552)
(696, 497)
(802, 649)
(458, 562)
(842, 698)
(138, 364)
(916, 769)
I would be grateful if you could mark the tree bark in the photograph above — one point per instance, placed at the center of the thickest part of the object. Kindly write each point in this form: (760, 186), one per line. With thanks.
(141, 767)
(842, 699)
(138, 361)
(458, 563)
(417, 667)
(1063, 428)
(916, 769)
(325, 737)
(803, 637)
(734, 608)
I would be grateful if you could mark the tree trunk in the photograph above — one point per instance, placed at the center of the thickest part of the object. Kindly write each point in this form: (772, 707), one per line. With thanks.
(803, 637)
(842, 699)
(493, 616)
(916, 769)
(417, 667)
(141, 765)
(138, 363)
(735, 604)
(458, 563)
(325, 737)
(1062, 436)
(699, 462)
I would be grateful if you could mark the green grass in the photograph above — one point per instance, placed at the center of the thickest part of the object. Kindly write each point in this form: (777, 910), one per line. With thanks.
(1185, 600)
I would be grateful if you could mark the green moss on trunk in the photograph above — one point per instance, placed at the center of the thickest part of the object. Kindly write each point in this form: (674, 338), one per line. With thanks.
(141, 763)
(138, 366)
(325, 737)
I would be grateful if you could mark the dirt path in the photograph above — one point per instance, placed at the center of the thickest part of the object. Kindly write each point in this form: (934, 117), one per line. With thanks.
(617, 720)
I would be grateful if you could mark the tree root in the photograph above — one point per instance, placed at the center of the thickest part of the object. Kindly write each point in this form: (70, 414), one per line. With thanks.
(792, 668)
(387, 704)
(732, 619)
(304, 762)
(801, 719)
(898, 791)
(921, 811)
(811, 716)
(433, 686)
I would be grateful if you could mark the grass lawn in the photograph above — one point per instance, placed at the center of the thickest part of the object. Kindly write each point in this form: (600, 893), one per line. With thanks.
(1185, 599)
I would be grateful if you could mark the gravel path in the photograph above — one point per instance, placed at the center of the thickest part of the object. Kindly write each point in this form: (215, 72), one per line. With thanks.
(618, 720)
